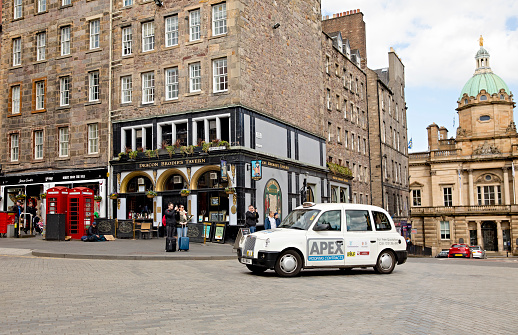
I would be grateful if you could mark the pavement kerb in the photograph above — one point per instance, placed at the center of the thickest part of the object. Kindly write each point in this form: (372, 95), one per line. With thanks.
(135, 257)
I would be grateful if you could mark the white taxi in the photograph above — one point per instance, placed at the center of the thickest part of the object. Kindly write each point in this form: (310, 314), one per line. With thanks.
(326, 236)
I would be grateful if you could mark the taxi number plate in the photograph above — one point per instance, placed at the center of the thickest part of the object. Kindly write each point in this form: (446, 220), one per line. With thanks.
(246, 261)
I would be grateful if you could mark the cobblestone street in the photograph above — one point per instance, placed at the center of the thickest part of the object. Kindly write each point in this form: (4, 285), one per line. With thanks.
(424, 296)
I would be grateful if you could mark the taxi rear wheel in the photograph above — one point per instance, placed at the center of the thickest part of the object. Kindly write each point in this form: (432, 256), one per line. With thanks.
(255, 268)
(386, 262)
(288, 264)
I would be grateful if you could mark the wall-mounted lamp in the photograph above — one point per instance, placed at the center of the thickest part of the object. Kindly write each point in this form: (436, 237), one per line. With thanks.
(277, 25)
(159, 3)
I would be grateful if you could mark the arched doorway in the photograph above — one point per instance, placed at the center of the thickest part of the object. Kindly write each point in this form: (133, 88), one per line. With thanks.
(489, 236)
(171, 187)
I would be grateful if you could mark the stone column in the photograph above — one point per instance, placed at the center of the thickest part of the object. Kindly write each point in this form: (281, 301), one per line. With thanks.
(470, 191)
(499, 235)
(479, 234)
(507, 198)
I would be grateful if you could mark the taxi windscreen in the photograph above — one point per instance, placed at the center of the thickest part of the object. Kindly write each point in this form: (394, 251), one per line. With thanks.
(300, 219)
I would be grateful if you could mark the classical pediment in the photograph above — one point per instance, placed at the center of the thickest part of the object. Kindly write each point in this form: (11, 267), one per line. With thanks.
(488, 178)
(416, 184)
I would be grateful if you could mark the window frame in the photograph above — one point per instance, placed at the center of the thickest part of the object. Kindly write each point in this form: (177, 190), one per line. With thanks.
(16, 102)
(445, 232)
(66, 33)
(222, 20)
(416, 198)
(14, 150)
(195, 80)
(127, 40)
(126, 89)
(63, 144)
(148, 87)
(195, 25)
(38, 142)
(41, 6)
(219, 80)
(148, 36)
(40, 95)
(94, 88)
(172, 88)
(64, 94)
(17, 51)
(93, 142)
(447, 196)
(17, 9)
(95, 34)
(171, 31)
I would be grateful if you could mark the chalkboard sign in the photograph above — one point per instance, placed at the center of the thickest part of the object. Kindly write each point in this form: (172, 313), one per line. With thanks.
(219, 233)
(195, 231)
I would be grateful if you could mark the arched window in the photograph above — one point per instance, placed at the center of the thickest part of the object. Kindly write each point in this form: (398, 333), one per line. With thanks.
(175, 182)
(483, 97)
(139, 184)
(211, 179)
(272, 198)
(334, 195)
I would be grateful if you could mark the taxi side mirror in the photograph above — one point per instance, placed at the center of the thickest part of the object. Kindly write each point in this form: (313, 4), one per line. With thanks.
(321, 227)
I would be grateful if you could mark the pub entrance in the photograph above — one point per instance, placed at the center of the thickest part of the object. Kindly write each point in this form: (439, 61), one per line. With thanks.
(489, 236)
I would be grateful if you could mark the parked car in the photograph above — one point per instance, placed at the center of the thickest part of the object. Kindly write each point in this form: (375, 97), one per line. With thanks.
(442, 254)
(477, 252)
(459, 250)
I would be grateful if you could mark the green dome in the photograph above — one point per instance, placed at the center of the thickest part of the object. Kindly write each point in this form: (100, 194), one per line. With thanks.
(484, 81)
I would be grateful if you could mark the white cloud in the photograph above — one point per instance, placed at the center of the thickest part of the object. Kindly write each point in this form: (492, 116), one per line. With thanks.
(437, 40)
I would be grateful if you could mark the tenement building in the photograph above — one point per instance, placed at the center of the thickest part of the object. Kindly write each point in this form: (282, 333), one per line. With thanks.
(54, 70)
(464, 188)
(215, 107)
(345, 110)
(388, 141)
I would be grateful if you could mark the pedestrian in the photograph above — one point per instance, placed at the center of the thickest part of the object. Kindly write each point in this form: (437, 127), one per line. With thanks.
(251, 218)
(181, 225)
(17, 209)
(277, 220)
(269, 222)
(29, 218)
(171, 217)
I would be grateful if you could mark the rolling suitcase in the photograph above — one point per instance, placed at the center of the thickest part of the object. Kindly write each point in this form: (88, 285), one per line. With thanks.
(170, 244)
(183, 244)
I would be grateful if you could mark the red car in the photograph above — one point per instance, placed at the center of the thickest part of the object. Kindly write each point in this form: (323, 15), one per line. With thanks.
(459, 250)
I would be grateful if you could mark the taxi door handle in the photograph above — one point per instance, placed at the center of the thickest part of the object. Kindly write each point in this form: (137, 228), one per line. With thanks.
(373, 241)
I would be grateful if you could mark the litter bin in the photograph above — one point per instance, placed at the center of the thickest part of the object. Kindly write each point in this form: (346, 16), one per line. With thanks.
(10, 230)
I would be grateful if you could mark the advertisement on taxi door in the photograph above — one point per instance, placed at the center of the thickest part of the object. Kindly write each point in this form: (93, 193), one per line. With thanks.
(325, 250)
(358, 248)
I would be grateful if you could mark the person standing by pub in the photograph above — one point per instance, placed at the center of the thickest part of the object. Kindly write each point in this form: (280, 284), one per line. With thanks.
(181, 223)
(251, 218)
(17, 209)
(172, 216)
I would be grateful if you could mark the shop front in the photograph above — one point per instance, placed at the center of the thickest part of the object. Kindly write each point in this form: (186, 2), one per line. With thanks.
(30, 188)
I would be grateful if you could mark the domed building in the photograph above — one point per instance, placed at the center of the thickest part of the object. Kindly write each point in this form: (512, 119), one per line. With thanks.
(463, 190)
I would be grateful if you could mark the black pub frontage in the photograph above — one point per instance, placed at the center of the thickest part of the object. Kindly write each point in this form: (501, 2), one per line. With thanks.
(216, 163)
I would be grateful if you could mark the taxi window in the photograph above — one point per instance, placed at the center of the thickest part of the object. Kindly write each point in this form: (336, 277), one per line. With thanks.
(381, 221)
(358, 221)
(333, 218)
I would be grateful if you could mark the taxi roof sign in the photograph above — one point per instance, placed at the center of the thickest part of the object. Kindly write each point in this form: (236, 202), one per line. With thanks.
(308, 204)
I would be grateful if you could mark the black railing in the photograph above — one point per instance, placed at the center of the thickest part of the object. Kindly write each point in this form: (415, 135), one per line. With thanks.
(418, 250)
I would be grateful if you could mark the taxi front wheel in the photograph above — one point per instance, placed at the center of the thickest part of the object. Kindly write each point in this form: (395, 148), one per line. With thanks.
(288, 264)
(386, 262)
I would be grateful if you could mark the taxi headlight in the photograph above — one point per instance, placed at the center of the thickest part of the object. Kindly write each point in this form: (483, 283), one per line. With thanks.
(267, 242)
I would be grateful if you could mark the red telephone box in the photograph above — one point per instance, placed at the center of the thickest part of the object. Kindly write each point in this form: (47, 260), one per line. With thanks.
(57, 199)
(80, 211)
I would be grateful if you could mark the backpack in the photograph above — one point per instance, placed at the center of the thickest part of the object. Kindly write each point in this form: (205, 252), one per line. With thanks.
(163, 220)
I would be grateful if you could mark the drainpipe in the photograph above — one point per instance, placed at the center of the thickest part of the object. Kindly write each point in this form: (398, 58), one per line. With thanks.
(110, 143)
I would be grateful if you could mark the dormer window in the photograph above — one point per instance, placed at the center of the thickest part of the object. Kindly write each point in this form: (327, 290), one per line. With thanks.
(483, 97)
(465, 101)
(502, 97)
(484, 118)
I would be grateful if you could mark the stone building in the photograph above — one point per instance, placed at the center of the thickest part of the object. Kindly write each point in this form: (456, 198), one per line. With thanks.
(188, 75)
(388, 141)
(464, 189)
(345, 109)
(54, 70)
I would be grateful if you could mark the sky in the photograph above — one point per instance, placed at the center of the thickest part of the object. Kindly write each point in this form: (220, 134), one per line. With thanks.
(437, 42)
